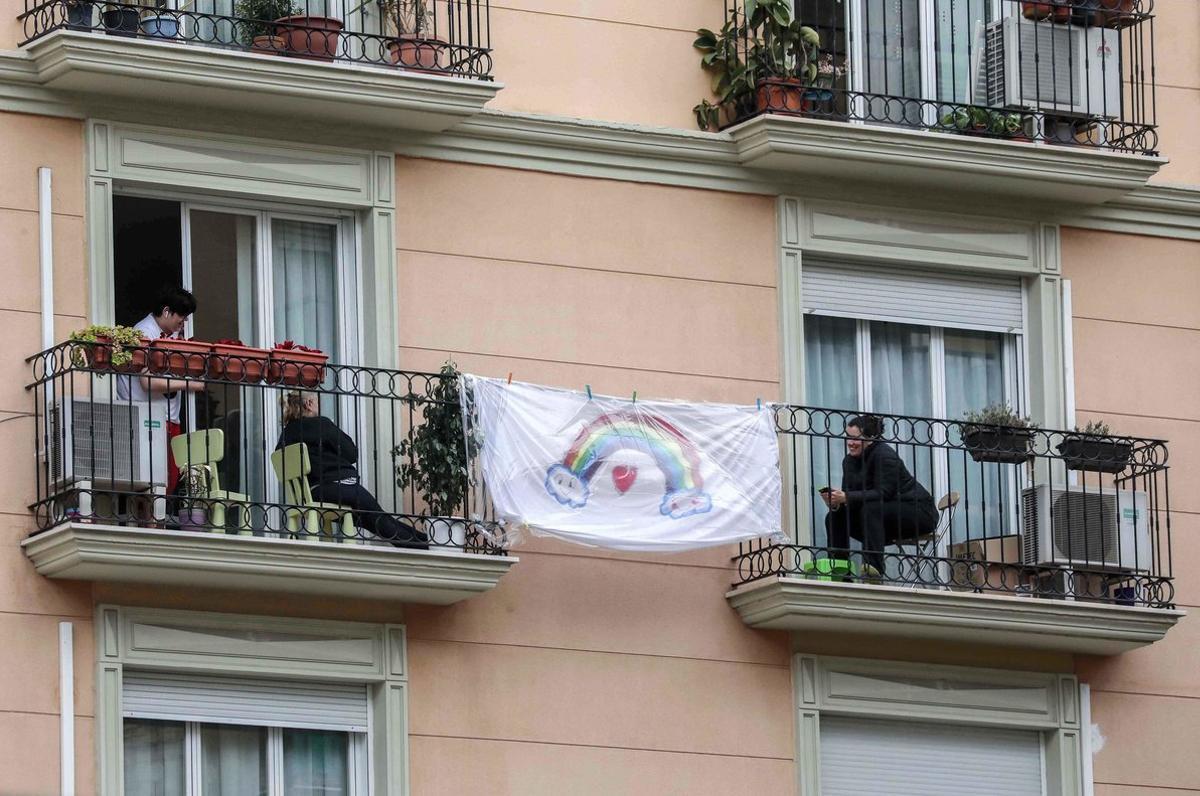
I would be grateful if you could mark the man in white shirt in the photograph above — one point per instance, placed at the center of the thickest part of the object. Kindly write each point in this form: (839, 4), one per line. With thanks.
(174, 306)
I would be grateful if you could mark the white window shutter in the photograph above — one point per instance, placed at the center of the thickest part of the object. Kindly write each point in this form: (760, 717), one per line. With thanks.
(959, 300)
(228, 700)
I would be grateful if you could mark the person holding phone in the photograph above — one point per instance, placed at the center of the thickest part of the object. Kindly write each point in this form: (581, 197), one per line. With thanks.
(879, 502)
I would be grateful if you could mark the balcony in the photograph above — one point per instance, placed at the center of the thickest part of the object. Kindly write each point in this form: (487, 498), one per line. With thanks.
(419, 66)
(1047, 101)
(244, 515)
(1044, 539)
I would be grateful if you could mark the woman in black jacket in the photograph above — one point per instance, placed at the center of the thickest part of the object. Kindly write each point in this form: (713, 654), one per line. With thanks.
(880, 502)
(333, 478)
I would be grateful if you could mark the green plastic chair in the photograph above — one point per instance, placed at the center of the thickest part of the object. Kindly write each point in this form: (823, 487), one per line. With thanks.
(304, 514)
(205, 450)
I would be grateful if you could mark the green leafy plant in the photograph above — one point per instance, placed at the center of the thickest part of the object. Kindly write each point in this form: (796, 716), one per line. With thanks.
(994, 415)
(121, 338)
(775, 46)
(1096, 428)
(1004, 124)
(435, 460)
(259, 14)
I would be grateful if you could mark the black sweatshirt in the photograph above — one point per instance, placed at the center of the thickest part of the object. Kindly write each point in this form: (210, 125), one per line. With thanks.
(879, 475)
(330, 451)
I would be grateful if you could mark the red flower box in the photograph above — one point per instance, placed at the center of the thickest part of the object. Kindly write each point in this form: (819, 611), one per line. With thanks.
(176, 357)
(233, 361)
(296, 365)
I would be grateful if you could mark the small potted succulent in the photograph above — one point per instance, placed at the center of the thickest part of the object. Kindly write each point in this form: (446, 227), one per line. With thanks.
(1093, 448)
(256, 24)
(986, 122)
(233, 360)
(296, 365)
(119, 348)
(434, 456)
(997, 434)
(176, 356)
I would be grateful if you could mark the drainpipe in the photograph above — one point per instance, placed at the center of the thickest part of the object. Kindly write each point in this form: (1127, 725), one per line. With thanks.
(46, 252)
(66, 701)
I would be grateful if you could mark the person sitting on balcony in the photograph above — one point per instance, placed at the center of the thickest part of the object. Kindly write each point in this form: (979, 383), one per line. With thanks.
(880, 502)
(167, 319)
(333, 478)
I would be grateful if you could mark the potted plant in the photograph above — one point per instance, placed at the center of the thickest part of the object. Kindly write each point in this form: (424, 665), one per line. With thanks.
(175, 356)
(121, 19)
(194, 482)
(79, 14)
(415, 45)
(159, 23)
(434, 457)
(309, 35)
(1094, 449)
(120, 348)
(987, 122)
(256, 26)
(233, 360)
(1060, 10)
(779, 63)
(296, 365)
(997, 434)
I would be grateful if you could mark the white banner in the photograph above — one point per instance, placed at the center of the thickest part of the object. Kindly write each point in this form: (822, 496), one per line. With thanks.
(631, 475)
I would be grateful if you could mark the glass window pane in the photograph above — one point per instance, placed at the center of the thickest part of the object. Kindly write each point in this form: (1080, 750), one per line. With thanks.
(233, 760)
(960, 31)
(154, 758)
(975, 379)
(830, 381)
(893, 55)
(901, 384)
(316, 763)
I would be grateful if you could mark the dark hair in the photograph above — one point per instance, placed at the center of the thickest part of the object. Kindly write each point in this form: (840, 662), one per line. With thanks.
(869, 426)
(176, 299)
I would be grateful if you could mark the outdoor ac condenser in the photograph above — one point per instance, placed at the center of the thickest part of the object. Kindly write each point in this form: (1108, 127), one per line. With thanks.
(121, 443)
(1088, 528)
(1051, 67)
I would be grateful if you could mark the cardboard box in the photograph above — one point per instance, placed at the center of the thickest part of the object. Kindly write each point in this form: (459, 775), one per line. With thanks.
(988, 564)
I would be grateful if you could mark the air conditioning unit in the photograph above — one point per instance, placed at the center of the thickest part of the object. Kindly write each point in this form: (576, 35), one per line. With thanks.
(119, 443)
(1050, 67)
(1095, 528)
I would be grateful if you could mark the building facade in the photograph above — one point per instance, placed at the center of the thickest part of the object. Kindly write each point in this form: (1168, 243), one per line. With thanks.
(927, 208)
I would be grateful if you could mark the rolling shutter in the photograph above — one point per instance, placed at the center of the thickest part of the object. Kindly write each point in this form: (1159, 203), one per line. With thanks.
(985, 302)
(228, 700)
(861, 756)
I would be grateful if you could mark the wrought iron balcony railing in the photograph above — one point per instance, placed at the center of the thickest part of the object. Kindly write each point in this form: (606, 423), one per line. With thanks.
(1024, 512)
(445, 37)
(1066, 72)
(108, 452)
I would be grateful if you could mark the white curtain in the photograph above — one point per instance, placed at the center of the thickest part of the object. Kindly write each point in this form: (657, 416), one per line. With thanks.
(901, 384)
(830, 381)
(304, 265)
(233, 760)
(975, 379)
(154, 759)
(316, 763)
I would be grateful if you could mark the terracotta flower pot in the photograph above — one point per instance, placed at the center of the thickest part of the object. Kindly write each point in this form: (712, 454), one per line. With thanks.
(1116, 13)
(179, 357)
(274, 45)
(99, 357)
(295, 368)
(239, 363)
(779, 95)
(419, 55)
(310, 37)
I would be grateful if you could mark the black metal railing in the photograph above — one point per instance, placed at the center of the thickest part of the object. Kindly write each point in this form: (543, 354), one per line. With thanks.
(383, 449)
(448, 37)
(1065, 72)
(1026, 512)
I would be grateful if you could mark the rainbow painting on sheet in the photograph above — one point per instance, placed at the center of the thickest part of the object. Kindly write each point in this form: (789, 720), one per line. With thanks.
(569, 481)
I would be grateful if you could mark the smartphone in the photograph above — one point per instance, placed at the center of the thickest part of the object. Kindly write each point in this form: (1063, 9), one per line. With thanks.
(825, 489)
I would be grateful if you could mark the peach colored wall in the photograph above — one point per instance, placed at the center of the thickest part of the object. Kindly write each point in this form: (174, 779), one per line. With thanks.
(1137, 338)
(32, 606)
(588, 671)
(1177, 75)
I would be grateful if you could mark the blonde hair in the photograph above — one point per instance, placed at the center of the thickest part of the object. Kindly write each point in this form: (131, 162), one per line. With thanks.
(292, 403)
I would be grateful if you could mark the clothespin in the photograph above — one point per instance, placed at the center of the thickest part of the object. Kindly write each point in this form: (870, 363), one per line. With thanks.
(588, 387)
(510, 377)
(635, 396)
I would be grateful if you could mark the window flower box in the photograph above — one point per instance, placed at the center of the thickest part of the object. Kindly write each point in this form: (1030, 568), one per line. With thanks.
(295, 365)
(177, 357)
(233, 360)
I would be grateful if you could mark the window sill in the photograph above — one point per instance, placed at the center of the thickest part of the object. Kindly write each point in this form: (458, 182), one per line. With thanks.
(989, 170)
(794, 604)
(100, 70)
(95, 552)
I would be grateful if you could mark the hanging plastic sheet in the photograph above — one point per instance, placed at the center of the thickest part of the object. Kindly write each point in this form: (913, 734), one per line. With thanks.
(658, 476)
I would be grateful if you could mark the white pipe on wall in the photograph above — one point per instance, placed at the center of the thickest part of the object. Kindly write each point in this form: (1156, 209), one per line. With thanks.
(1085, 737)
(66, 701)
(46, 255)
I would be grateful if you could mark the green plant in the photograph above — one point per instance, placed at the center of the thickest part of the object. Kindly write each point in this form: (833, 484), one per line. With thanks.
(1004, 124)
(435, 457)
(409, 18)
(763, 42)
(121, 338)
(259, 14)
(1097, 428)
(995, 415)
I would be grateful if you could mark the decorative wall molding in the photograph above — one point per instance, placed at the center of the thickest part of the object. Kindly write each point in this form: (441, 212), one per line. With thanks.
(1158, 210)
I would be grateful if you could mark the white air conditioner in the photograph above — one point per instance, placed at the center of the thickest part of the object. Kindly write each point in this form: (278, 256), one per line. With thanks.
(120, 443)
(1050, 67)
(1085, 527)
